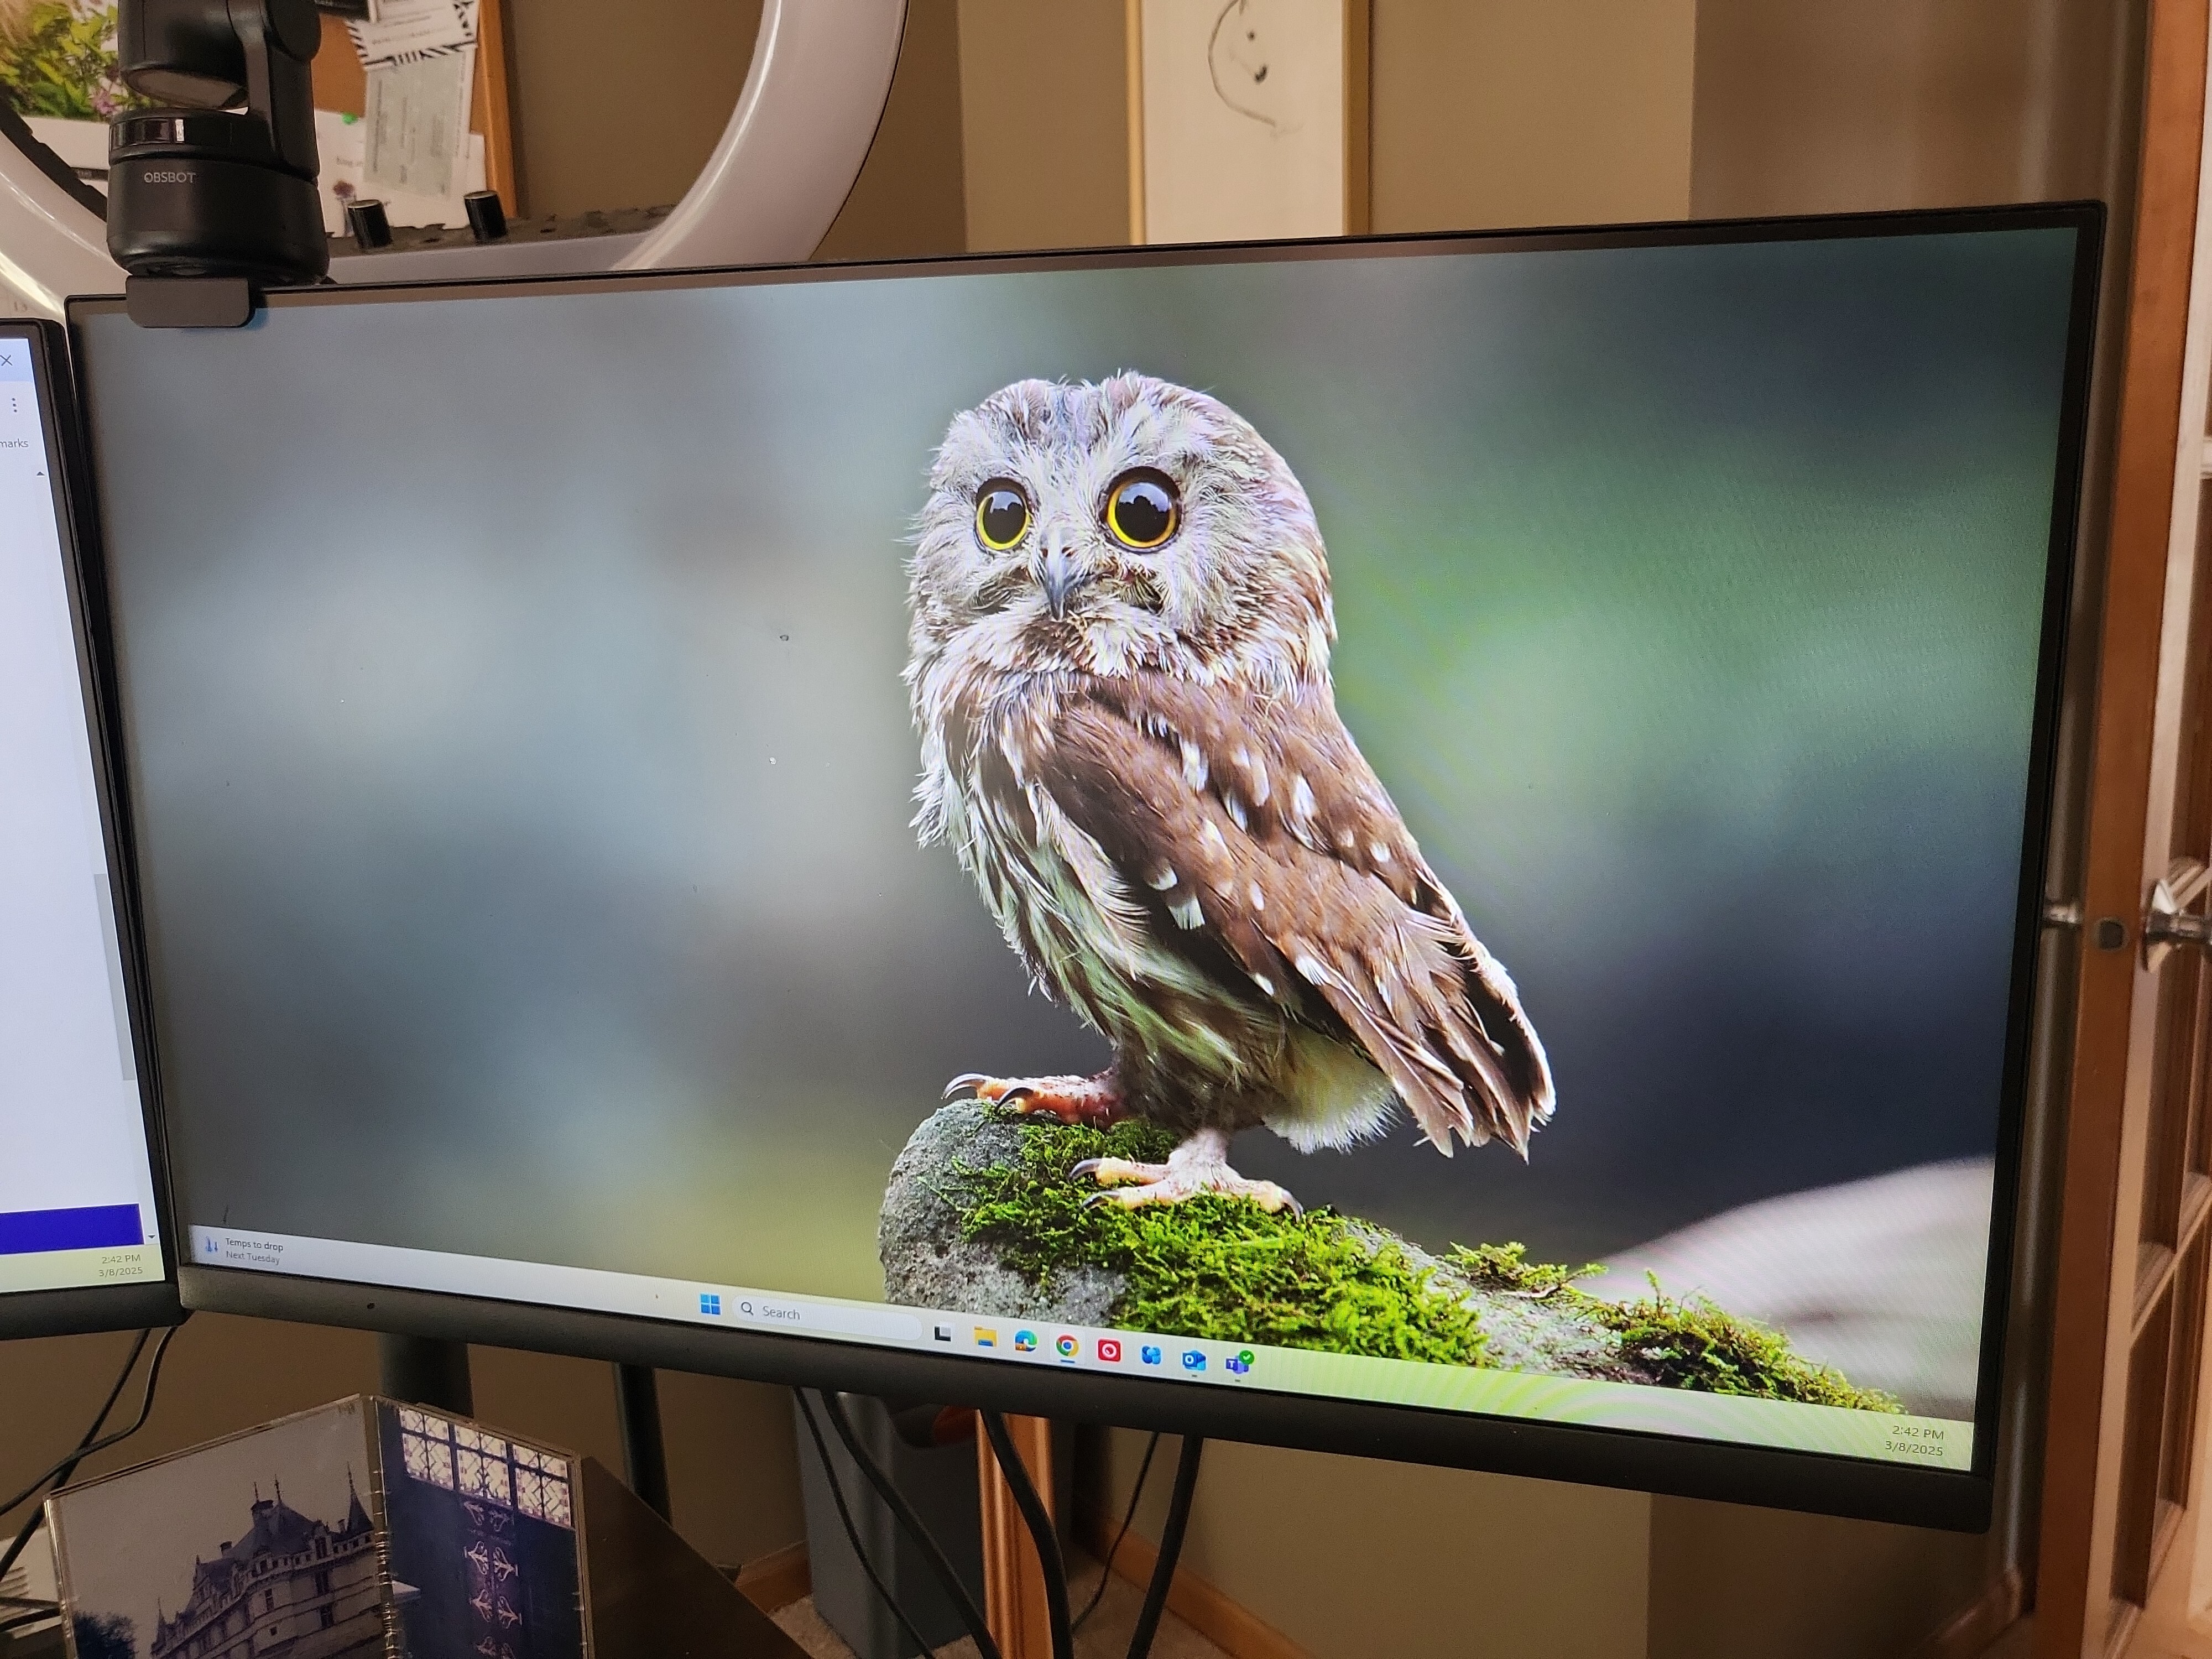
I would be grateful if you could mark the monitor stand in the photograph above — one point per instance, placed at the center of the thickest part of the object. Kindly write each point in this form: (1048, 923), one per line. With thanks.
(645, 1462)
(425, 1370)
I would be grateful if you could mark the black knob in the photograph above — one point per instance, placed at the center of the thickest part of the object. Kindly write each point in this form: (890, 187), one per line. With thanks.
(486, 219)
(365, 219)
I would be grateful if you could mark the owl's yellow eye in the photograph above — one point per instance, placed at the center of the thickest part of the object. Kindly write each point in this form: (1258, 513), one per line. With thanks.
(1142, 509)
(1002, 514)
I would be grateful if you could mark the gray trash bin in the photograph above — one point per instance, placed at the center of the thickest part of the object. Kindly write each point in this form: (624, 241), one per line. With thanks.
(939, 1481)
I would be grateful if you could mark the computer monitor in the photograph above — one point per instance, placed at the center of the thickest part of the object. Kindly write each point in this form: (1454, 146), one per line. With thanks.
(1461, 817)
(82, 1242)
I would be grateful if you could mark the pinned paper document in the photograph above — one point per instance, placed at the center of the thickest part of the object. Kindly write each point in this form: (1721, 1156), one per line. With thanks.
(403, 28)
(415, 150)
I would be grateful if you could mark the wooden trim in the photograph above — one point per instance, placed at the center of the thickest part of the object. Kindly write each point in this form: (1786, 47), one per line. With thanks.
(491, 110)
(774, 1581)
(2079, 1479)
(1222, 1621)
(1970, 1632)
(2120, 1630)
(1358, 116)
(1013, 1583)
(1133, 53)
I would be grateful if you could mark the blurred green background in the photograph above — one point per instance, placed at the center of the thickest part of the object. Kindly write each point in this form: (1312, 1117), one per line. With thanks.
(529, 866)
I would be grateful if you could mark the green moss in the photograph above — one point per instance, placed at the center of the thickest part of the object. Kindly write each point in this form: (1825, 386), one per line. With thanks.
(1694, 1343)
(1213, 1267)
(1227, 1270)
(1507, 1267)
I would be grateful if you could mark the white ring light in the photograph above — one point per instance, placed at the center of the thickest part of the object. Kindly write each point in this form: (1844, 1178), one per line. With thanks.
(51, 245)
(821, 72)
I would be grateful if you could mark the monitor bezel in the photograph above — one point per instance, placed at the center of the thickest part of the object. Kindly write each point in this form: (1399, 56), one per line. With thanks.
(145, 1303)
(1638, 1460)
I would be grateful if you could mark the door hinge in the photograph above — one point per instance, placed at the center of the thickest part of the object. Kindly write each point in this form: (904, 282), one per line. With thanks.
(2167, 923)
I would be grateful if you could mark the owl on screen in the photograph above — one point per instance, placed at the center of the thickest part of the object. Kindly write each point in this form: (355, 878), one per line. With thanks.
(1122, 626)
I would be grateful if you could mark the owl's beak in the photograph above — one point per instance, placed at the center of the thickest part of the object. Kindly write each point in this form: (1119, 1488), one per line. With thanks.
(1060, 576)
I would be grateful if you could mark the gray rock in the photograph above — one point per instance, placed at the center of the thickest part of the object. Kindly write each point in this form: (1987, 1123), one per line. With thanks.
(927, 1264)
(1547, 1335)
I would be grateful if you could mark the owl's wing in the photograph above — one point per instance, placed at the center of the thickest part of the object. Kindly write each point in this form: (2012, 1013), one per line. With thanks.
(1254, 827)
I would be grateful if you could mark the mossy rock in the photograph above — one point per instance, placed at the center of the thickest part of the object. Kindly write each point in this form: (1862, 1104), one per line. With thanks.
(982, 1214)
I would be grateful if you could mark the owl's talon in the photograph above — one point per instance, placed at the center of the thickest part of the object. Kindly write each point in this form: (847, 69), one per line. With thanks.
(1196, 1168)
(1119, 1171)
(1093, 1100)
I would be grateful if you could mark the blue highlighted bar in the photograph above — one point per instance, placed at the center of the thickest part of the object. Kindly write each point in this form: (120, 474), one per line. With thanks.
(101, 1227)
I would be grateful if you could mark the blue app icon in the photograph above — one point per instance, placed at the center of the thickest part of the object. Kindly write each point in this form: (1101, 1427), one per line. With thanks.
(709, 1303)
(1193, 1360)
(1150, 1355)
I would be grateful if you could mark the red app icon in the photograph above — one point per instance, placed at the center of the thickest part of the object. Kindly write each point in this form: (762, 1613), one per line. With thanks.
(1109, 1350)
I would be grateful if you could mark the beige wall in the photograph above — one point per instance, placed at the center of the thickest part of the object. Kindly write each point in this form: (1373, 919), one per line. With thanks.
(733, 1474)
(617, 117)
(909, 200)
(1044, 121)
(1497, 112)
(1730, 1582)
(1352, 1558)
(1807, 107)
(618, 105)
(1487, 112)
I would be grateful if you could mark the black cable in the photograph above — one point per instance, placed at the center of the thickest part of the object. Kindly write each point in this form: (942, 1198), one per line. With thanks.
(1156, 1593)
(964, 1604)
(852, 1533)
(1033, 1510)
(36, 1517)
(93, 1446)
(1127, 1516)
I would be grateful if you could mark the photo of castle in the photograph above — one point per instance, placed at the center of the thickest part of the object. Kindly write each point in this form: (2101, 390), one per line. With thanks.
(263, 1546)
(291, 1587)
(371, 1527)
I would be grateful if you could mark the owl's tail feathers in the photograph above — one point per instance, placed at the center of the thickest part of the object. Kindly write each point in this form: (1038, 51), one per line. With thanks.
(1511, 1070)
(1460, 1052)
(1434, 1044)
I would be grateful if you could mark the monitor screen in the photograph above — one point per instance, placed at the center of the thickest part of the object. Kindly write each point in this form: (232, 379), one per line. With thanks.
(1394, 844)
(77, 1208)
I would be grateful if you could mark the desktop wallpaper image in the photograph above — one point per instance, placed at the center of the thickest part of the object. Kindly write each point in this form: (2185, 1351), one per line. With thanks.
(535, 876)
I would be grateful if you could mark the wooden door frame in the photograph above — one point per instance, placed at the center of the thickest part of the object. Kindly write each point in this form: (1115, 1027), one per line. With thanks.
(2128, 807)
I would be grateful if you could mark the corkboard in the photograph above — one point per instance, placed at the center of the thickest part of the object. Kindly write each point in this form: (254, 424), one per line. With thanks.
(342, 85)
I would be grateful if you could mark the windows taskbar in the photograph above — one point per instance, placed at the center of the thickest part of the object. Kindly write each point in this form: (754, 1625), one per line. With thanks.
(1929, 1442)
(79, 1248)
